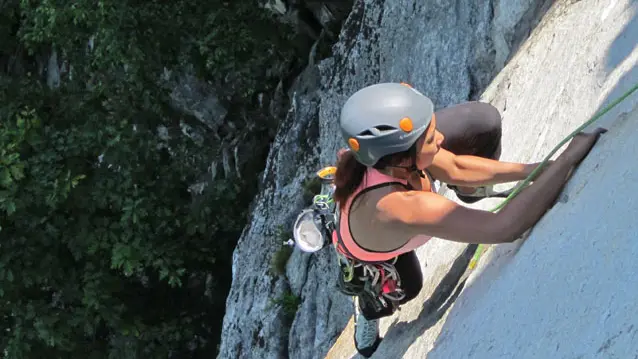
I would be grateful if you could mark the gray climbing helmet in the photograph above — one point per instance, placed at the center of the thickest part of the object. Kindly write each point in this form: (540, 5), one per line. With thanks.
(385, 118)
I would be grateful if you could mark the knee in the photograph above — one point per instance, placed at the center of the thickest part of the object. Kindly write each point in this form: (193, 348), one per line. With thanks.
(479, 116)
(412, 290)
(488, 138)
(492, 123)
(491, 117)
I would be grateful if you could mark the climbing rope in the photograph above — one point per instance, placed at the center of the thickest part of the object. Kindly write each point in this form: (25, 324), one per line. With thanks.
(524, 183)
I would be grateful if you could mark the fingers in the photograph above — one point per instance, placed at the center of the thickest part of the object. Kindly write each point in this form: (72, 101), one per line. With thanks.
(595, 134)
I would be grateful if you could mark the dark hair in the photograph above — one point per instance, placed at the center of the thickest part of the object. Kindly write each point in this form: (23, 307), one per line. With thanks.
(350, 172)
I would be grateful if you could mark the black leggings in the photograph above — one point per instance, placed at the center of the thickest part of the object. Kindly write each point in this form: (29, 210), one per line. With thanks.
(472, 128)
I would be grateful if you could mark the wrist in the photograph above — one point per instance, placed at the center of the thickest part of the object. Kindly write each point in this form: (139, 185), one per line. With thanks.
(531, 167)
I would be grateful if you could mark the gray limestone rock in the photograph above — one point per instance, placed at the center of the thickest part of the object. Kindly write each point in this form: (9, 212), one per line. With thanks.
(255, 327)
(199, 99)
(567, 290)
(450, 53)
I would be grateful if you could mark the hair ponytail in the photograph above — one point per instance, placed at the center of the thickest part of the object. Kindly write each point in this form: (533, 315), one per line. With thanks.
(350, 172)
(349, 175)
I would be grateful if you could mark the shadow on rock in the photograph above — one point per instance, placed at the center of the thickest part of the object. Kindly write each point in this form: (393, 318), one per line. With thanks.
(616, 55)
(402, 335)
(624, 43)
(618, 52)
(626, 82)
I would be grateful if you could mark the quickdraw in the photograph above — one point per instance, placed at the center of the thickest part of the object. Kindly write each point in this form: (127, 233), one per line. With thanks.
(377, 285)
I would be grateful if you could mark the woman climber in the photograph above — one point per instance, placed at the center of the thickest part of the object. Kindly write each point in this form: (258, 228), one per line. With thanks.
(385, 190)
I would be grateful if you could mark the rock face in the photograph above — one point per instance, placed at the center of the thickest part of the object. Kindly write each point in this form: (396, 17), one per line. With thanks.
(312, 16)
(254, 327)
(198, 99)
(450, 53)
(564, 292)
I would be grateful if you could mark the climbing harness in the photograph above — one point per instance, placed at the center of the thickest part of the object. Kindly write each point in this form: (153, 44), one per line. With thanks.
(377, 285)
(481, 248)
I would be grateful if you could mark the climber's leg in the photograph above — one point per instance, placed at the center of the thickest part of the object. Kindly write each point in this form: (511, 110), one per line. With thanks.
(366, 330)
(409, 269)
(471, 128)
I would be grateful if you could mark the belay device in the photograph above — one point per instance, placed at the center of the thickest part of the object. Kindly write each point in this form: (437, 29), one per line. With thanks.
(377, 284)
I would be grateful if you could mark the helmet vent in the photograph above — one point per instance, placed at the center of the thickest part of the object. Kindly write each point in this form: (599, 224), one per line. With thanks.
(384, 128)
(377, 131)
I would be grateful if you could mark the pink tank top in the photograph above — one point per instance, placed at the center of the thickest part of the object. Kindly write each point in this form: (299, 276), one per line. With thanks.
(342, 237)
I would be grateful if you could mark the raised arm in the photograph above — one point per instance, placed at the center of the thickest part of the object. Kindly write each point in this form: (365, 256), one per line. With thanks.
(476, 171)
(432, 214)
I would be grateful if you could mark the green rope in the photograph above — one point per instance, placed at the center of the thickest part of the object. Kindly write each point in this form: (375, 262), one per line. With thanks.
(520, 186)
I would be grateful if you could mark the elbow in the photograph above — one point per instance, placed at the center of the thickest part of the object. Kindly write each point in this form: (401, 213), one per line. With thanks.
(465, 172)
(457, 177)
(490, 233)
(461, 175)
(507, 239)
(502, 230)
(498, 238)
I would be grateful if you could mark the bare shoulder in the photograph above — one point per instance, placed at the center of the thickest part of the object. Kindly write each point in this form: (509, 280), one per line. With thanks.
(413, 207)
(435, 215)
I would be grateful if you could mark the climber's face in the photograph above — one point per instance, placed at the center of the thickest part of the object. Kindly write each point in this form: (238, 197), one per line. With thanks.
(428, 145)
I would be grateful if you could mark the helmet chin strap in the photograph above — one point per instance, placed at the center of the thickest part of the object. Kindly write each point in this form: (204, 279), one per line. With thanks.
(413, 167)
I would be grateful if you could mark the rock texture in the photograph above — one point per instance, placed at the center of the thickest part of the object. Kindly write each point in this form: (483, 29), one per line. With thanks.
(311, 16)
(450, 53)
(198, 99)
(254, 326)
(562, 292)
(565, 292)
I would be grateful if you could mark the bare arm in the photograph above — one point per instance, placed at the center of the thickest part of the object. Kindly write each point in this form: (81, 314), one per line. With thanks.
(531, 204)
(435, 215)
(476, 171)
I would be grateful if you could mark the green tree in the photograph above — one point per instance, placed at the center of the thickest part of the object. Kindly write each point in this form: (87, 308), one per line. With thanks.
(104, 253)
